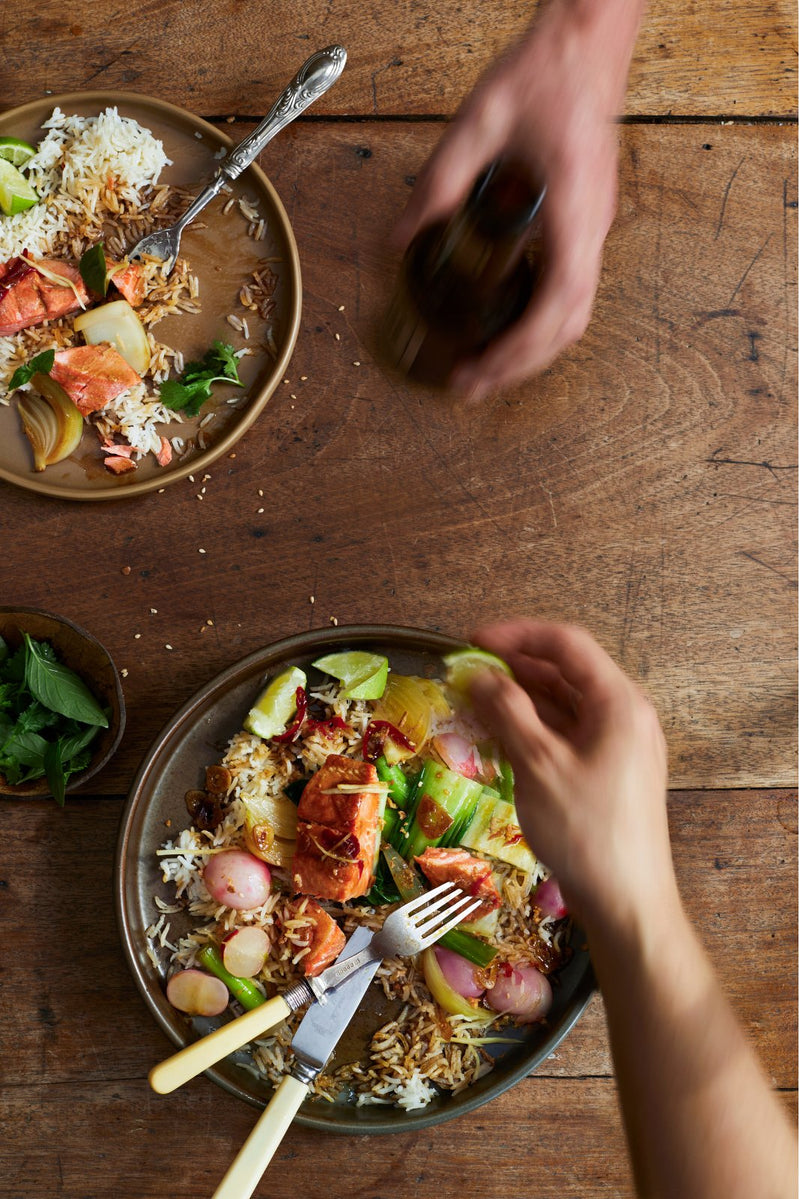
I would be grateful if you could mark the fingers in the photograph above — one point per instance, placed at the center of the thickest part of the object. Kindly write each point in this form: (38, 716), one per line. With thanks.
(476, 135)
(510, 715)
(583, 664)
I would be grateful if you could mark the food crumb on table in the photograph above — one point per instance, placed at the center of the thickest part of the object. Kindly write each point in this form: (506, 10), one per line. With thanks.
(126, 570)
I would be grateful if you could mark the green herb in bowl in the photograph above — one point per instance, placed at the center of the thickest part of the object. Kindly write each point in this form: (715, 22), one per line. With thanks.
(50, 720)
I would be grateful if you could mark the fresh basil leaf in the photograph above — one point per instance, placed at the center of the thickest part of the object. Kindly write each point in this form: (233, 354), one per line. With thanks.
(73, 745)
(78, 763)
(94, 269)
(54, 771)
(59, 688)
(40, 364)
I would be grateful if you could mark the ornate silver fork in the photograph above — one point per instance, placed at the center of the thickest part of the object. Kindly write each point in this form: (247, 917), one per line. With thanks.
(313, 79)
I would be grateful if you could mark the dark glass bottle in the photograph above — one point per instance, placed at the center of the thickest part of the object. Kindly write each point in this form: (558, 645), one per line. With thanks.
(465, 280)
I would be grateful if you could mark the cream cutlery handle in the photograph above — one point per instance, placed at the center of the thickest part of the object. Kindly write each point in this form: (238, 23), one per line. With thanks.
(198, 1056)
(257, 1152)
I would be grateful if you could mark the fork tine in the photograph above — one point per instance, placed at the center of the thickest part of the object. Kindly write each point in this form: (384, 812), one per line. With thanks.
(439, 922)
(423, 901)
(441, 905)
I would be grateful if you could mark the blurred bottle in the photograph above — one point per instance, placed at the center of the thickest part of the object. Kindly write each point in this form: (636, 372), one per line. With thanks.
(465, 280)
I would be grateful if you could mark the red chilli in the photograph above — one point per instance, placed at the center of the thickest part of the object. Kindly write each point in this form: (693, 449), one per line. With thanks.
(301, 699)
(377, 733)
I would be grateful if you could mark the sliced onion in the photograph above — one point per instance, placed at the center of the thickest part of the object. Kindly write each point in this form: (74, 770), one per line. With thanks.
(51, 421)
(118, 324)
(410, 704)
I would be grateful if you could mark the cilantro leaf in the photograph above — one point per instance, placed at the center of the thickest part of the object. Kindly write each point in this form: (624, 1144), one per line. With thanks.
(41, 363)
(189, 393)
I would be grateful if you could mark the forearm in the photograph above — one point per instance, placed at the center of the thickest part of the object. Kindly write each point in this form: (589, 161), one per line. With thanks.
(701, 1118)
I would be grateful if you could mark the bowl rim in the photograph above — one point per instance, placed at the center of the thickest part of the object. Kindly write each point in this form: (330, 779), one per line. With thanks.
(93, 768)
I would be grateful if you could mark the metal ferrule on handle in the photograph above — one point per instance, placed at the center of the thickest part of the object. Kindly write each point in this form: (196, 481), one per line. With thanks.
(313, 79)
(202, 1054)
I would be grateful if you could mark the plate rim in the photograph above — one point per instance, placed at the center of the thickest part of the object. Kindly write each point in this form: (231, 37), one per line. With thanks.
(483, 1090)
(294, 311)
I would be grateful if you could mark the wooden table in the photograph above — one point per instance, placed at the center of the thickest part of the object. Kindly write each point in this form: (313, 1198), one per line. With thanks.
(645, 486)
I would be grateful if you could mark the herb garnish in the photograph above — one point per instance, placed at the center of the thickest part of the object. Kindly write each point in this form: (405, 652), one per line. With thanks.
(48, 717)
(40, 364)
(94, 269)
(187, 394)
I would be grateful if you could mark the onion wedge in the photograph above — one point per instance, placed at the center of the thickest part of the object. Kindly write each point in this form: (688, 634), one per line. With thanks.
(118, 324)
(51, 421)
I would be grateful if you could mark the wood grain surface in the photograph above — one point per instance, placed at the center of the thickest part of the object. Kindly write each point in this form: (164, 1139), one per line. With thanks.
(645, 486)
(77, 1117)
(232, 58)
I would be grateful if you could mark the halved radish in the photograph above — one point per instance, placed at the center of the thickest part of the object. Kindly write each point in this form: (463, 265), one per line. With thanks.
(244, 951)
(197, 993)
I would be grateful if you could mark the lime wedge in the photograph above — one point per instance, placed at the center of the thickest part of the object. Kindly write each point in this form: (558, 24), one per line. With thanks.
(16, 194)
(462, 664)
(362, 674)
(15, 151)
(276, 706)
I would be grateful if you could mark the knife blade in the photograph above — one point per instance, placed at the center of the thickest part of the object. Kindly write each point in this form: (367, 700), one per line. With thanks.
(315, 1040)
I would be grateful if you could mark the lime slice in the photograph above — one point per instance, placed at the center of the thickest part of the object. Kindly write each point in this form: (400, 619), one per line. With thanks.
(15, 151)
(276, 706)
(16, 194)
(363, 674)
(462, 664)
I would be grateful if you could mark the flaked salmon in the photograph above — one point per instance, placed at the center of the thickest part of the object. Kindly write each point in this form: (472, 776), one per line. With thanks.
(92, 376)
(470, 874)
(28, 297)
(337, 831)
(128, 280)
(326, 939)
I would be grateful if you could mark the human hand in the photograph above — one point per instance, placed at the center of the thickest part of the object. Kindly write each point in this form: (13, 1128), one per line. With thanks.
(550, 104)
(590, 766)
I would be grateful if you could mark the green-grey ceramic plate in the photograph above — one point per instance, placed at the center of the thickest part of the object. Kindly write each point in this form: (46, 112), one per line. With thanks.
(197, 737)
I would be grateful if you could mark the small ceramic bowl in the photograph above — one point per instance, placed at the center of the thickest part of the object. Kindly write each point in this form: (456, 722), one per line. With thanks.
(84, 654)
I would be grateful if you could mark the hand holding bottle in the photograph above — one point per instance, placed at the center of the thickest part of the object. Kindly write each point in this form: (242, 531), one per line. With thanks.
(550, 103)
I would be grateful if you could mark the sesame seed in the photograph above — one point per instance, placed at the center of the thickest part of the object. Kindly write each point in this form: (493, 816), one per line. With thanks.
(333, 620)
(303, 378)
(231, 455)
(292, 397)
(260, 491)
(154, 611)
(201, 551)
(259, 511)
(167, 646)
(124, 672)
(210, 622)
(136, 636)
(338, 338)
(311, 599)
(191, 478)
(356, 364)
(341, 308)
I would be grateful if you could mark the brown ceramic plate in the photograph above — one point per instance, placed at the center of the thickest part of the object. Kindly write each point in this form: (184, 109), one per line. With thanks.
(222, 255)
(84, 654)
(196, 737)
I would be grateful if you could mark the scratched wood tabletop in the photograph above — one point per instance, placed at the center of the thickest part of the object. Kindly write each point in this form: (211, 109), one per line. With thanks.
(645, 486)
